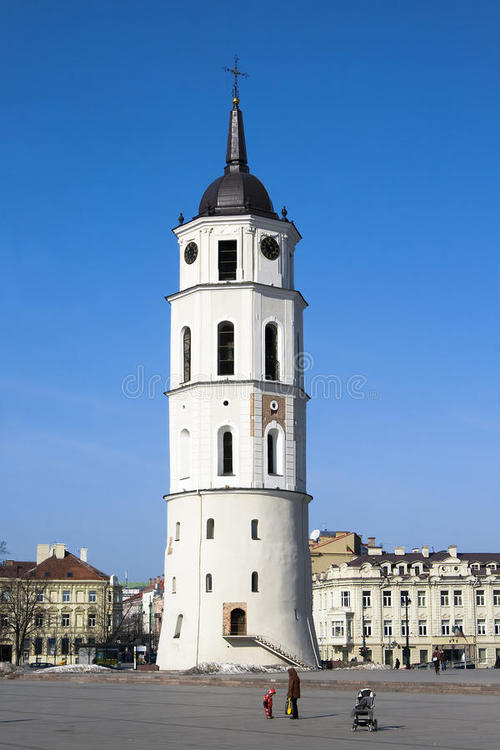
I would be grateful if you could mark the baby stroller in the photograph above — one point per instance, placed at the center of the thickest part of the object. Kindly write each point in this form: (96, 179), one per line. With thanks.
(363, 711)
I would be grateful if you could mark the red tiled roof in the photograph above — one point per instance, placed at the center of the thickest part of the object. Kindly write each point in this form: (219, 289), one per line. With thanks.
(58, 569)
(16, 568)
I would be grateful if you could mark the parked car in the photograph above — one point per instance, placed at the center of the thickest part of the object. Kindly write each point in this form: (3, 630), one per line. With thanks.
(40, 665)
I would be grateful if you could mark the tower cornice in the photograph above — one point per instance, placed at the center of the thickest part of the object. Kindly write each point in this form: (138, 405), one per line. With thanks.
(253, 221)
(276, 291)
(274, 387)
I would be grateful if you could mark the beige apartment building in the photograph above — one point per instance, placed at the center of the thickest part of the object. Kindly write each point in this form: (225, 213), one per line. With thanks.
(334, 547)
(445, 599)
(77, 605)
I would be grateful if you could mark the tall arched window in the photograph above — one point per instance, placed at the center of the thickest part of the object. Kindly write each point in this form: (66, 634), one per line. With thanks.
(174, 585)
(208, 583)
(271, 353)
(186, 354)
(178, 626)
(184, 455)
(271, 453)
(177, 531)
(227, 452)
(225, 348)
(255, 581)
(275, 451)
(254, 527)
(210, 528)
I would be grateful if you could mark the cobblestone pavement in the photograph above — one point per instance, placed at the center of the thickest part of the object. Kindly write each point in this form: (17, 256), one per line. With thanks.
(90, 716)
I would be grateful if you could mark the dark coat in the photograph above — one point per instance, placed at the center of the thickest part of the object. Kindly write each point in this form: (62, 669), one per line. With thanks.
(293, 684)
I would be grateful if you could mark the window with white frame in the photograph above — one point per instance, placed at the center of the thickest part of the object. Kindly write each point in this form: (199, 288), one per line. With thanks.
(91, 621)
(387, 598)
(421, 598)
(457, 598)
(387, 627)
(445, 627)
(92, 596)
(367, 628)
(404, 597)
(337, 628)
(403, 627)
(480, 597)
(416, 570)
(481, 627)
(65, 620)
(422, 627)
(445, 598)
(66, 596)
(497, 627)
(345, 598)
(367, 598)
(483, 655)
(496, 597)
(40, 596)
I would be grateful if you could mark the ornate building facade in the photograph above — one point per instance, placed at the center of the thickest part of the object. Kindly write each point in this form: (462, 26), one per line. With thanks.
(76, 605)
(443, 599)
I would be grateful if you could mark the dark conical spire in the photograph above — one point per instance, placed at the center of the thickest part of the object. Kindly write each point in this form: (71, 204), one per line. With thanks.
(236, 154)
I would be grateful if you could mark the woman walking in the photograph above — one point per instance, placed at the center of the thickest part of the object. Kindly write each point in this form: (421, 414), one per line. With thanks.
(293, 691)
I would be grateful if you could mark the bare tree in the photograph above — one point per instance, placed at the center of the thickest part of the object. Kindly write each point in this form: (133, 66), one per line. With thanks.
(19, 604)
(3, 551)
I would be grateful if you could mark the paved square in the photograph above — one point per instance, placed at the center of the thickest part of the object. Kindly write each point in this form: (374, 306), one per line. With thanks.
(53, 716)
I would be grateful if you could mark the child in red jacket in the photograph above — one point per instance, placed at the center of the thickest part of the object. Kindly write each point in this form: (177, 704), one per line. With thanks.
(268, 703)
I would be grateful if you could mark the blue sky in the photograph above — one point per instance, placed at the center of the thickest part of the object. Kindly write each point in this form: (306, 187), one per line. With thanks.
(377, 124)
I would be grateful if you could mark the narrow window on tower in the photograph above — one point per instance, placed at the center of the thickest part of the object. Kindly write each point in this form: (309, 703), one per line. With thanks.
(210, 528)
(227, 453)
(271, 353)
(225, 348)
(255, 528)
(186, 354)
(178, 626)
(275, 451)
(271, 453)
(255, 581)
(208, 583)
(174, 585)
(227, 260)
(177, 531)
(184, 455)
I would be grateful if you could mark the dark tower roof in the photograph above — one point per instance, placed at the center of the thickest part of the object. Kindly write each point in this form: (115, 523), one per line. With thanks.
(237, 191)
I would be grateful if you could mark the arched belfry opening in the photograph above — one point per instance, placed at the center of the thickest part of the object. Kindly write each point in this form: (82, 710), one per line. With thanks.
(271, 352)
(238, 622)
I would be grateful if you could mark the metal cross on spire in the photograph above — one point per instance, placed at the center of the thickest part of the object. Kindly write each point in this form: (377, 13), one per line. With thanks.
(236, 72)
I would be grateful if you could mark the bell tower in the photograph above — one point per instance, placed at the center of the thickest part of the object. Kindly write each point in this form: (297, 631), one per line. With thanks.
(237, 567)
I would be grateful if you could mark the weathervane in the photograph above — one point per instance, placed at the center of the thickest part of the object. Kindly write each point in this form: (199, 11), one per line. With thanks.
(236, 72)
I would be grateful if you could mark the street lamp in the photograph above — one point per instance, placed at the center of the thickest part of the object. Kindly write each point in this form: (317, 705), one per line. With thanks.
(407, 601)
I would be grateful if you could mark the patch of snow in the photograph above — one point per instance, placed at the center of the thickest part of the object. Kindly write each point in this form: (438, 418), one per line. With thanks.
(370, 665)
(70, 668)
(214, 668)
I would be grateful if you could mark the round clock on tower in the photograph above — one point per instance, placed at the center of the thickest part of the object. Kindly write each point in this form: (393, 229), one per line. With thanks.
(237, 567)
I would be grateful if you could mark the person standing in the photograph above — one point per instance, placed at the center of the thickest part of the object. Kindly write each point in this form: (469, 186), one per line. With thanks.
(397, 664)
(293, 691)
(436, 659)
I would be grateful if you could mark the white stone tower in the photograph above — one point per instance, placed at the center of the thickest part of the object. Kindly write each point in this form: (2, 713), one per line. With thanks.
(237, 567)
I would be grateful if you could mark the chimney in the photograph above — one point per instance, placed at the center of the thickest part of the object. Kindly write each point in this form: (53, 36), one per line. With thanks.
(425, 551)
(399, 550)
(83, 553)
(415, 550)
(374, 550)
(452, 550)
(371, 541)
(42, 553)
(58, 550)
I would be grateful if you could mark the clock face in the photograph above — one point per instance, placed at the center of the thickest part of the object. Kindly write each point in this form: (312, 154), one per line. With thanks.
(191, 252)
(270, 248)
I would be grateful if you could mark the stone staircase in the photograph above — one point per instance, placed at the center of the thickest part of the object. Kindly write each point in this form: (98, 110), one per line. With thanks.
(275, 648)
